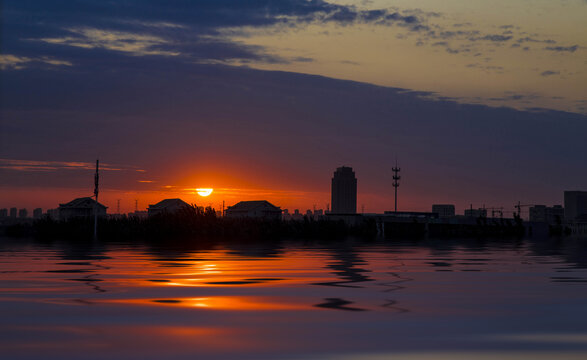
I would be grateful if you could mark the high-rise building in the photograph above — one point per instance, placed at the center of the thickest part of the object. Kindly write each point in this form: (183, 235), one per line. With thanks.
(3, 213)
(344, 191)
(575, 205)
(13, 213)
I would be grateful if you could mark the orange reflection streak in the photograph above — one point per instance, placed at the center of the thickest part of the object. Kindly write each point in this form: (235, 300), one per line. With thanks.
(234, 303)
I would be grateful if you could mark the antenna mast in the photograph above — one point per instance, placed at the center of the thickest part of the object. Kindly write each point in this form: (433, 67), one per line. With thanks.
(396, 179)
(96, 190)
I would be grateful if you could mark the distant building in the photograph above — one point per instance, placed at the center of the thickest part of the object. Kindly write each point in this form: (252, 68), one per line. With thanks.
(444, 210)
(167, 206)
(410, 214)
(3, 213)
(318, 212)
(550, 215)
(344, 191)
(575, 206)
(476, 213)
(13, 213)
(23, 213)
(37, 213)
(53, 214)
(138, 214)
(254, 209)
(80, 207)
(297, 215)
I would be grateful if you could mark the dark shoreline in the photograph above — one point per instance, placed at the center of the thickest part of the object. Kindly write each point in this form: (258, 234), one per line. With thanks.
(196, 225)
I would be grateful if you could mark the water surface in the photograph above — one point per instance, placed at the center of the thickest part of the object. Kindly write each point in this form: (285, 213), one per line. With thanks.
(300, 300)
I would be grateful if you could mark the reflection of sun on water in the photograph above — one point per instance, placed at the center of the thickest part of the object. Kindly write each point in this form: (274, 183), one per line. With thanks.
(234, 303)
(204, 191)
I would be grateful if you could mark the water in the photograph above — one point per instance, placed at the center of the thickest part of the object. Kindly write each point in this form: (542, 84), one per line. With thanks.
(336, 300)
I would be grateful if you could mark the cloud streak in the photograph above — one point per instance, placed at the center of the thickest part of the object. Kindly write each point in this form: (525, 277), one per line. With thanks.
(42, 165)
(195, 31)
(15, 62)
(126, 42)
(570, 49)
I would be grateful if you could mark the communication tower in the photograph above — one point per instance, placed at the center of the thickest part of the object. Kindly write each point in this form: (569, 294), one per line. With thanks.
(396, 179)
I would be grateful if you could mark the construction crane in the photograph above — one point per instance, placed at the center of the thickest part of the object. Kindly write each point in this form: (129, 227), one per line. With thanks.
(520, 206)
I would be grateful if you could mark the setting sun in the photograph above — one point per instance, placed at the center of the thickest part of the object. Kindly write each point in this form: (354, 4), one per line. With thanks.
(204, 192)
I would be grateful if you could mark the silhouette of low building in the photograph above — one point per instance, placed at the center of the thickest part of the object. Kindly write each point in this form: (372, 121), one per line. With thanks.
(297, 215)
(545, 214)
(254, 209)
(444, 210)
(410, 214)
(53, 214)
(167, 206)
(81, 207)
(138, 214)
(37, 213)
(476, 213)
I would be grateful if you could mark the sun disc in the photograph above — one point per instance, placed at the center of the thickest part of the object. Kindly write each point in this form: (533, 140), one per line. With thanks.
(204, 192)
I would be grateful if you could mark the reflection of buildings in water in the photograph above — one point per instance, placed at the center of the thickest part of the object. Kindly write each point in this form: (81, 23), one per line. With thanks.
(83, 255)
(263, 250)
(391, 304)
(91, 282)
(344, 265)
(338, 304)
(395, 286)
(573, 251)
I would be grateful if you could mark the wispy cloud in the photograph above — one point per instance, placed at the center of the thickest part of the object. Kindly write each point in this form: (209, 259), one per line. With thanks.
(41, 165)
(571, 49)
(126, 42)
(15, 62)
(529, 39)
(492, 37)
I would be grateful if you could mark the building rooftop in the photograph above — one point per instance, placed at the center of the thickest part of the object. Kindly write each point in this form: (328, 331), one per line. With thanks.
(81, 203)
(163, 204)
(252, 205)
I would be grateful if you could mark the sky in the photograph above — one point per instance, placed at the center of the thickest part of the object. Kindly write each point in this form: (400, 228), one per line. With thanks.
(481, 102)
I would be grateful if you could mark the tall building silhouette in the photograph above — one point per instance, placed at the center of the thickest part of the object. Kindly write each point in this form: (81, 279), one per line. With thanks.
(344, 191)
(575, 205)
